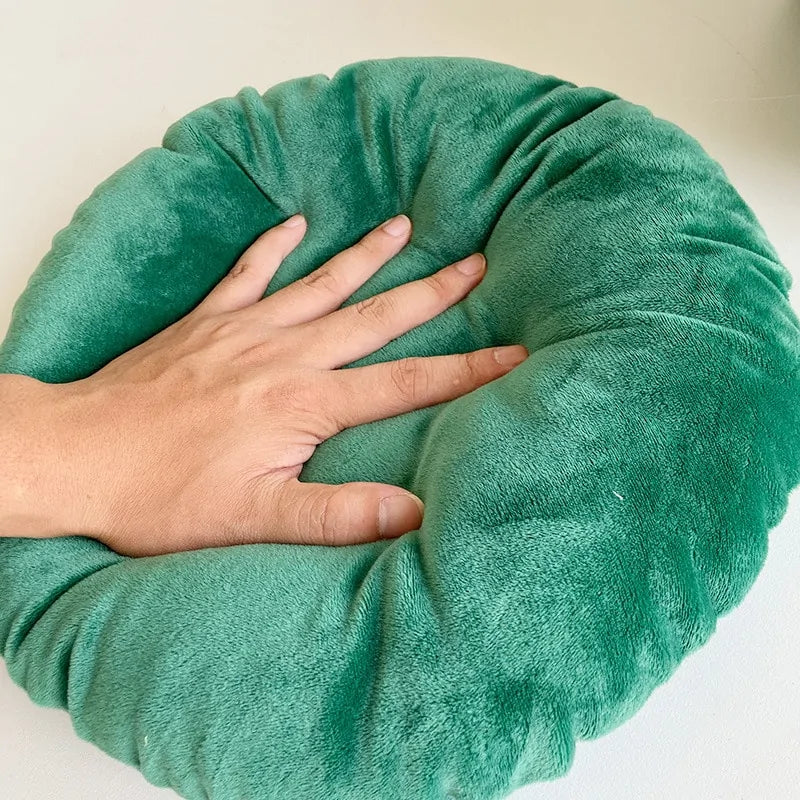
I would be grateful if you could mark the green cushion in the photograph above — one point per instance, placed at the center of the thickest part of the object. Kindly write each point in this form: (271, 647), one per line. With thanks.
(588, 516)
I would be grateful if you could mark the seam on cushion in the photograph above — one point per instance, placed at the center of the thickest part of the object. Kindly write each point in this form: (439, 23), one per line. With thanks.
(572, 90)
(705, 323)
(548, 139)
(203, 144)
(406, 174)
(779, 268)
(427, 568)
(553, 135)
(592, 332)
(490, 228)
(629, 320)
(574, 170)
(20, 635)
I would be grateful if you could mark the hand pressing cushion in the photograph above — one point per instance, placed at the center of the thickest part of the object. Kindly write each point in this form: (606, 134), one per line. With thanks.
(588, 516)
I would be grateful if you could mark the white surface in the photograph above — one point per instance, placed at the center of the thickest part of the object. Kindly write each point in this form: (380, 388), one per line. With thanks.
(87, 85)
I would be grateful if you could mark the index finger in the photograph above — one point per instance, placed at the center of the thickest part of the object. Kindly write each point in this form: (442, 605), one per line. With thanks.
(247, 280)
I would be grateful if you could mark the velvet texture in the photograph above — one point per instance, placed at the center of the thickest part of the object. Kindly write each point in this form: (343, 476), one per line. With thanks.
(588, 516)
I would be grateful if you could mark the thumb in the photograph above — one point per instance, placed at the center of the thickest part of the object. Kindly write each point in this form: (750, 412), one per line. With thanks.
(347, 513)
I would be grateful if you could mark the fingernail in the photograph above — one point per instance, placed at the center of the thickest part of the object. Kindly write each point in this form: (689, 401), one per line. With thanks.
(294, 221)
(398, 514)
(397, 226)
(471, 265)
(511, 355)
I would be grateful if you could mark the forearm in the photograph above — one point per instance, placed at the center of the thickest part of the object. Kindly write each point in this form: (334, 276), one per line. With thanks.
(33, 468)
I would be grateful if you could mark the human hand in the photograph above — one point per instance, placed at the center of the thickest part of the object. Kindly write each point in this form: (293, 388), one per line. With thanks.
(196, 437)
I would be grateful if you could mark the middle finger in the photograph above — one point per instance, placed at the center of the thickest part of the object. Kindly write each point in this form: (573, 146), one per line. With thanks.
(361, 328)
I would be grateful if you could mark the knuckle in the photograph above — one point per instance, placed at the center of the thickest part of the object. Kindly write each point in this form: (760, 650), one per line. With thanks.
(467, 371)
(440, 286)
(330, 405)
(287, 392)
(370, 309)
(308, 515)
(367, 247)
(221, 328)
(239, 268)
(473, 367)
(409, 378)
(324, 519)
(322, 279)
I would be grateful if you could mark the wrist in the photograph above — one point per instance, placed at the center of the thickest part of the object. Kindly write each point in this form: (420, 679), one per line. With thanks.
(37, 480)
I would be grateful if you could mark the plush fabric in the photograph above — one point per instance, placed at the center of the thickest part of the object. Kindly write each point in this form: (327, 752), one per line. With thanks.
(589, 516)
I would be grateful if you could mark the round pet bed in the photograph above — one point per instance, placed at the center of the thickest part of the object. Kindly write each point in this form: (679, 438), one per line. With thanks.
(588, 516)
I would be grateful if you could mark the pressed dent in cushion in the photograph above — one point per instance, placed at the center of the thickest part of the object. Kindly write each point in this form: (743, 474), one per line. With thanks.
(588, 516)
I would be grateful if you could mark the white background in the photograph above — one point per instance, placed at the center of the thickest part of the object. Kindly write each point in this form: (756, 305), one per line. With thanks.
(85, 85)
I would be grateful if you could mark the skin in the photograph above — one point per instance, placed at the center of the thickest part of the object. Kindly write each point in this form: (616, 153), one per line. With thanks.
(196, 437)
